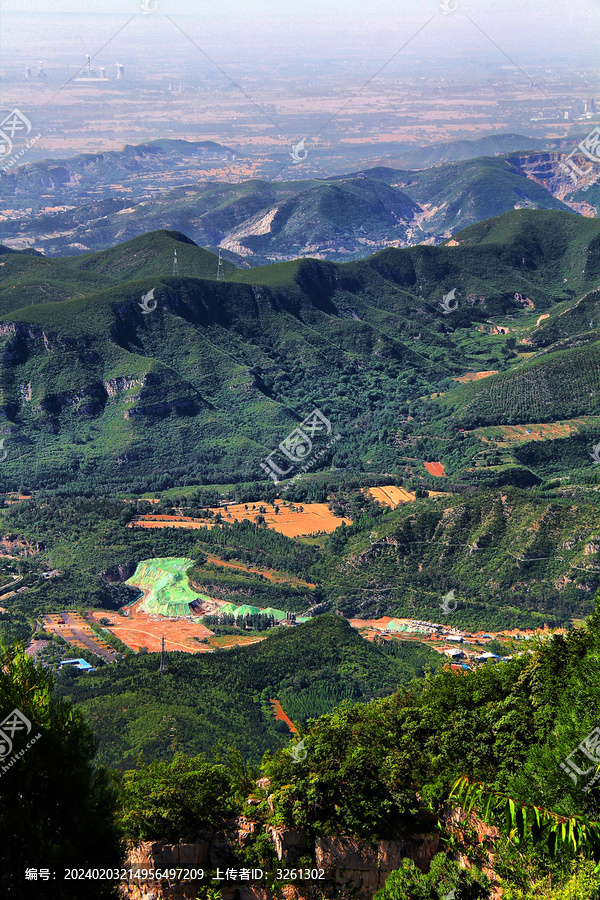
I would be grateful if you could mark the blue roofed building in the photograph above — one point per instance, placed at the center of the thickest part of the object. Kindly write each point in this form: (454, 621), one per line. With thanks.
(80, 664)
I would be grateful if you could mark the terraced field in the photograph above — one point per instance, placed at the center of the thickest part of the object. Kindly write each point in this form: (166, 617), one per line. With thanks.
(511, 435)
(475, 376)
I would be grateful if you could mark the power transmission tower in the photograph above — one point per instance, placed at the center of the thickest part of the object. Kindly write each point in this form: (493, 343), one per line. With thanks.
(175, 265)
(220, 269)
(163, 663)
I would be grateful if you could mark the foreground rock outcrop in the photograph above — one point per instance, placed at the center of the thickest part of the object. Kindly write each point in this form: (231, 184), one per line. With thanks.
(351, 868)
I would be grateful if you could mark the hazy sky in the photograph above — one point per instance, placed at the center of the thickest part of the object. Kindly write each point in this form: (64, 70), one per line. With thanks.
(524, 28)
(302, 58)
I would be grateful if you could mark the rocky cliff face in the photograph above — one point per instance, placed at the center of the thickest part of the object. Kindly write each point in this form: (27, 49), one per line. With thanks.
(119, 573)
(351, 868)
(459, 824)
(545, 169)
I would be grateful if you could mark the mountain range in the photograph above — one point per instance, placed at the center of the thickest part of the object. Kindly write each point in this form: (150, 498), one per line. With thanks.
(115, 372)
(94, 201)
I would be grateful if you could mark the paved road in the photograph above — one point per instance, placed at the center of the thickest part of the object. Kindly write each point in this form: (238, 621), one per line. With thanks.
(34, 647)
(81, 632)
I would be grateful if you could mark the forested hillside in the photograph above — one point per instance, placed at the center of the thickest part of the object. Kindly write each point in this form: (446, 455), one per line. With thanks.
(369, 768)
(514, 559)
(100, 393)
(224, 696)
(260, 220)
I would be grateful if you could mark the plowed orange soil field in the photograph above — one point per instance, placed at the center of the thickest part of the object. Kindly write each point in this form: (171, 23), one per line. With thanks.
(370, 628)
(371, 623)
(515, 434)
(302, 520)
(390, 495)
(152, 521)
(435, 468)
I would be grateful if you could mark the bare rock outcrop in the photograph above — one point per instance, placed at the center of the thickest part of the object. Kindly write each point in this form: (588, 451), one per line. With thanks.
(351, 868)
(119, 573)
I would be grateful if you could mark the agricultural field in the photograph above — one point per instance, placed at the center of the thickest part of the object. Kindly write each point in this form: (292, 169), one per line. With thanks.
(475, 376)
(435, 468)
(390, 495)
(292, 521)
(166, 521)
(511, 435)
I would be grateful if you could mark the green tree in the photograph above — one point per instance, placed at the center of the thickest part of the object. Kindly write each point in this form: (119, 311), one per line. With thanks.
(444, 879)
(580, 884)
(176, 800)
(57, 811)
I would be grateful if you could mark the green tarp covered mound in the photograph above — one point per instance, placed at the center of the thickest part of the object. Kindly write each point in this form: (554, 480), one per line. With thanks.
(277, 614)
(229, 609)
(166, 586)
(246, 610)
